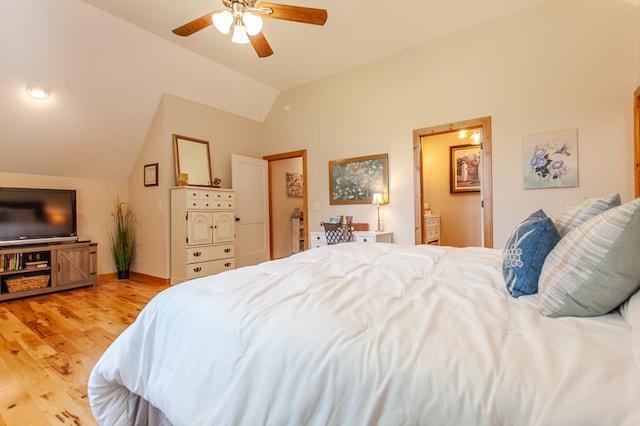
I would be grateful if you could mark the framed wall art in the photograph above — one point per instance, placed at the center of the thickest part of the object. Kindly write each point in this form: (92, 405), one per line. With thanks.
(550, 159)
(294, 185)
(354, 180)
(151, 174)
(465, 168)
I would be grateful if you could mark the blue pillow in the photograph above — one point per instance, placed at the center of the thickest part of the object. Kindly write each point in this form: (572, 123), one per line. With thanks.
(525, 252)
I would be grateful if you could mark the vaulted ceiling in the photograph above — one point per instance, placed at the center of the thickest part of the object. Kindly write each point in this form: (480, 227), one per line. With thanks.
(108, 62)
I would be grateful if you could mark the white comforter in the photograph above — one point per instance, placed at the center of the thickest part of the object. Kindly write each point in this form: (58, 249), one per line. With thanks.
(363, 334)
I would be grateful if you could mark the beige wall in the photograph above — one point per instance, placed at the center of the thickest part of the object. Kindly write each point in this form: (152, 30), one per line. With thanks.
(567, 63)
(282, 206)
(226, 133)
(564, 64)
(460, 213)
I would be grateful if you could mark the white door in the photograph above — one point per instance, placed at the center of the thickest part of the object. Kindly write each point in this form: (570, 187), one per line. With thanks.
(249, 178)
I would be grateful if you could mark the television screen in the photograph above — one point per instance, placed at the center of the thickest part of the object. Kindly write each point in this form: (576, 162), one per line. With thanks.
(29, 215)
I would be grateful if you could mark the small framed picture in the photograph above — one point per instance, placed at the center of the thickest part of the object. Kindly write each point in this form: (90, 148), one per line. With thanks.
(151, 174)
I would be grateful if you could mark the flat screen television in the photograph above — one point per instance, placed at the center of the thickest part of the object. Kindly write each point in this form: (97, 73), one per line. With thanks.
(35, 216)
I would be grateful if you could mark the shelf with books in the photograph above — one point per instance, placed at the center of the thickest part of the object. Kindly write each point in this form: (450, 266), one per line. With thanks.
(36, 269)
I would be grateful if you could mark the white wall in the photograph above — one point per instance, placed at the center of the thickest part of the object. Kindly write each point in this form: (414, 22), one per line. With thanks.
(564, 64)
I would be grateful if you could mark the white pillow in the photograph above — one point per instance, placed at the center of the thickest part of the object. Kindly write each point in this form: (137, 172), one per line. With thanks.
(630, 310)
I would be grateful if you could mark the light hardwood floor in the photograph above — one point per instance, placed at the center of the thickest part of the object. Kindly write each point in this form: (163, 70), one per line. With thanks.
(50, 343)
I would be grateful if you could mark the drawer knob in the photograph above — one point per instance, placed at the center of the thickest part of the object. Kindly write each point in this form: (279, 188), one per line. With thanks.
(227, 250)
(197, 254)
(197, 269)
(227, 264)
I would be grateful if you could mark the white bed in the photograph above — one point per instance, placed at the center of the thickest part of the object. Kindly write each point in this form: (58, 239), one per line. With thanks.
(364, 334)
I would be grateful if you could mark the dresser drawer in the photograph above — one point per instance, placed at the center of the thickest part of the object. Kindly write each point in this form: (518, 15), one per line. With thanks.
(211, 204)
(433, 233)
(202, 269)
(203, 254)
(207, 199)
(317, 239)
(435, 222)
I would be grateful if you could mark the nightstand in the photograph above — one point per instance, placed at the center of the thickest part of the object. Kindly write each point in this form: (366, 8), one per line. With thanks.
(432, 229)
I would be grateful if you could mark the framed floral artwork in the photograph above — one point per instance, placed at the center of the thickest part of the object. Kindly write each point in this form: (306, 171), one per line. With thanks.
(354, 180)
(550, 159)
(465, 168)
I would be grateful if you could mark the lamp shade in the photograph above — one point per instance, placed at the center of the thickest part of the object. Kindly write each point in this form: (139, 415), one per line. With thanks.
(252, 23)
(239, 33)
(377, 198)
(222, 21)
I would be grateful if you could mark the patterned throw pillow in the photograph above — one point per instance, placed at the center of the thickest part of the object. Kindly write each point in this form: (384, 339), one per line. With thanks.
(581, 211)
(525, 252)
(595, 267)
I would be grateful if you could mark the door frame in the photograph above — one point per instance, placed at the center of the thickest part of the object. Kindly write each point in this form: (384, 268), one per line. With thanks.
(487, 181)
(636, 144)
(285, 156)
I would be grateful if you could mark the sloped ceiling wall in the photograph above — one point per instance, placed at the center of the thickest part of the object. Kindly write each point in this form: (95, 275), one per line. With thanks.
(106, 78)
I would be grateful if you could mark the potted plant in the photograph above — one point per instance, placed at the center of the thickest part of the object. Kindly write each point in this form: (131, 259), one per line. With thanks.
(122, 239)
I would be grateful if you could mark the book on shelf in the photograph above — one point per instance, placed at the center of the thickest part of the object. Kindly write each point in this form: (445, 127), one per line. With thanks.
(10, 262)
(36, 264)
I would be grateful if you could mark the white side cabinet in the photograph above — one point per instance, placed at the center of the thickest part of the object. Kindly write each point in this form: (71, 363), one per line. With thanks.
(432, 229)
(202, 232)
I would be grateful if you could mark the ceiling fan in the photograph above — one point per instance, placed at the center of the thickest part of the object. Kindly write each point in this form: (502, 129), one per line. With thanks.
(245, 18)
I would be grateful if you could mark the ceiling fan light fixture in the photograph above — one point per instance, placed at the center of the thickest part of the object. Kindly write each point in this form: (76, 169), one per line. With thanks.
(252, 23)
(239, 33)
(222, 21)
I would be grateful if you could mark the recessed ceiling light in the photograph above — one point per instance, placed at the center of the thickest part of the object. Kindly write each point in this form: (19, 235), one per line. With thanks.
(38, 92)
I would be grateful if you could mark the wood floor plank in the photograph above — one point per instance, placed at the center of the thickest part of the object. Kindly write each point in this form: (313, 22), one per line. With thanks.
(50, 343)
(12, 329)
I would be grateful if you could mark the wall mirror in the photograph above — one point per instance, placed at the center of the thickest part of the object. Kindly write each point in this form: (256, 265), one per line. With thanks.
(193, 162)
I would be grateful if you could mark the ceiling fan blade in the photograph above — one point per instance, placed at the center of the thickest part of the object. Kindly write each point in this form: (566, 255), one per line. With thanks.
(194, 26)
(306, 15)
(260, 45)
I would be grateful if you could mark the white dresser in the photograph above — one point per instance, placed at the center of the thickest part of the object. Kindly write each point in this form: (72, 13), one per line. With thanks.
(432, 229)
(317, 239)
(202, 232)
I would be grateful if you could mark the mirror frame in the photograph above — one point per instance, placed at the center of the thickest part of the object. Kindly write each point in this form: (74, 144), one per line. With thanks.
(178, 140)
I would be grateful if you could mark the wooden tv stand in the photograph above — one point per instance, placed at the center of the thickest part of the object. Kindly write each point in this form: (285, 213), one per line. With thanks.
(45, 268)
